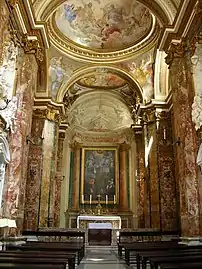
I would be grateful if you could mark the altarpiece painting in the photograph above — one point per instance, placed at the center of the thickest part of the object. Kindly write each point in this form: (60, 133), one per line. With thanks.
(99, 174)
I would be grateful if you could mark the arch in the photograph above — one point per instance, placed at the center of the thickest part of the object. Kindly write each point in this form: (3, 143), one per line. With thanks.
(86, 70)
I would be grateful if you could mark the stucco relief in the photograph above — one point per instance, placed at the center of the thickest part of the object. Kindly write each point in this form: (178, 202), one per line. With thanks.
(197, 104)
(8, 104)
(4, 159)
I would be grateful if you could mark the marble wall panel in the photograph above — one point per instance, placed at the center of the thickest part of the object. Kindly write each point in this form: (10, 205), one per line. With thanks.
(168, 188)
(185, 154)
(140, 177)
(4, 23)
(34, 175)
(17, 169)
(153, 174)
(47, 174)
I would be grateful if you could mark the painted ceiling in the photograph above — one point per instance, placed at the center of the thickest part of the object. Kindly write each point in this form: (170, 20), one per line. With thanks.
(104, 24)
(102, 78)
(103, 34)
(106, 113)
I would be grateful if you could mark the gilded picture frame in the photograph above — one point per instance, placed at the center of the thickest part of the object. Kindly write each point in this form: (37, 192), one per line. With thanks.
(99, 175)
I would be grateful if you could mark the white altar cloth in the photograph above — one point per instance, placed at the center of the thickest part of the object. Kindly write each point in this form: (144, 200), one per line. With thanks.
(106, 225)
(89, 218)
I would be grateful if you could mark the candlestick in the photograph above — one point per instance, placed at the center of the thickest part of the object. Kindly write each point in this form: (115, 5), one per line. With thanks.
(82, 199)
(114, 199)
(90, 198)
(106, 199)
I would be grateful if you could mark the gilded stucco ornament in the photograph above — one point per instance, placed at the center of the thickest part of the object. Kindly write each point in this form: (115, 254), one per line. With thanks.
(32, 45)
(13, 3)
(175, 51)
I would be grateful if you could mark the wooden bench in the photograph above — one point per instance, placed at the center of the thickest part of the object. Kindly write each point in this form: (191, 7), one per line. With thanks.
(146, 255)
(143, 236)
(190, 265)
(148, 246)
(30, 266)
(68, 248)
(57, 235)
(67, 258)
(157, 261)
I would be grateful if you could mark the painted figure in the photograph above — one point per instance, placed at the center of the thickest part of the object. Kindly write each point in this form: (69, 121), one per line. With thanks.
(99, 173)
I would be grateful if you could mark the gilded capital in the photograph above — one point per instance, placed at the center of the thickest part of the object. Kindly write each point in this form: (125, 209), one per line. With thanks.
(149, 116)
(31, 45)
(13, 3)
(76, 145)
(175, 51)
(161, 115)
(53, 115)
(61, 135)
(124, 147)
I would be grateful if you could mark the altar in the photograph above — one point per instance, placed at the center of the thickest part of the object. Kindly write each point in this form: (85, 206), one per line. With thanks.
(84, 221)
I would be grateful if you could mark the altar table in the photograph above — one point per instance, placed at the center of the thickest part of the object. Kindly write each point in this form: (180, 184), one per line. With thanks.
(83, 221)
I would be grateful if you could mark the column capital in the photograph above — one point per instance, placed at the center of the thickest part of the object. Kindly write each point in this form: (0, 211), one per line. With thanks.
(161, 115)
(48, 113)
(175, 51)
(62, 135)
(124, 147)
(76, 145)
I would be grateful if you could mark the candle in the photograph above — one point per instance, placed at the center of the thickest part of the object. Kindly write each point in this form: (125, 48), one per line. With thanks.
(82, 199)
(106, 199)
(114, 199)
(164, 133)
(90, 198)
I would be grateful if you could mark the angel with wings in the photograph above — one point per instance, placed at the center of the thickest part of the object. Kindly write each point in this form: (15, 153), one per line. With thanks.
(57, 73)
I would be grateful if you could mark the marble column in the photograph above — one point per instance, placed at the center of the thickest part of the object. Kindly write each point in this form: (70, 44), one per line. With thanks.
(153, 171)
(76, 178)
(51, 128)
(140, 176)
(168, 194)
(34, 172)
(184, 132)
(58, 179)
(123, 200)
(146, 185)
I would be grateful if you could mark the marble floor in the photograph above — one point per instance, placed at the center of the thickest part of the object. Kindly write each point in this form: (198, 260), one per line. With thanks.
(102, 257)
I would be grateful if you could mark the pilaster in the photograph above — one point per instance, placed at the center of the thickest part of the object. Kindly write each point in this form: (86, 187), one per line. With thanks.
(178, 60)
(123, 176)
(76, 147)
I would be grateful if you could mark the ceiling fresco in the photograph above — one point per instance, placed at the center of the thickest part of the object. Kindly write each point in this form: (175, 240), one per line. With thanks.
(106, 113)
(104, 24)
(102, 78)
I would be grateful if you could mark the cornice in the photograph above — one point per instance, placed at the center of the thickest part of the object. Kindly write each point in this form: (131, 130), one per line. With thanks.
(189, 14)
(48, 104)
(79, 53)
(22, 15)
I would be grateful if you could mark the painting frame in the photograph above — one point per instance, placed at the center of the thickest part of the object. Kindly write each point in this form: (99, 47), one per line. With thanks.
(84, 197)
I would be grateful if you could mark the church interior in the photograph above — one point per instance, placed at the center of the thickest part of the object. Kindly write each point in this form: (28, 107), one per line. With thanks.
(100, 116)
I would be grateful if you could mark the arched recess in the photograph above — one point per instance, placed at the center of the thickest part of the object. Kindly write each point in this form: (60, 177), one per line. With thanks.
(78, 74)
(4, 159)
(44, 9)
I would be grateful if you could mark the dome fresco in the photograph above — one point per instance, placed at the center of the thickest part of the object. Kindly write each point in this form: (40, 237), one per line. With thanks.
(103, 24)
